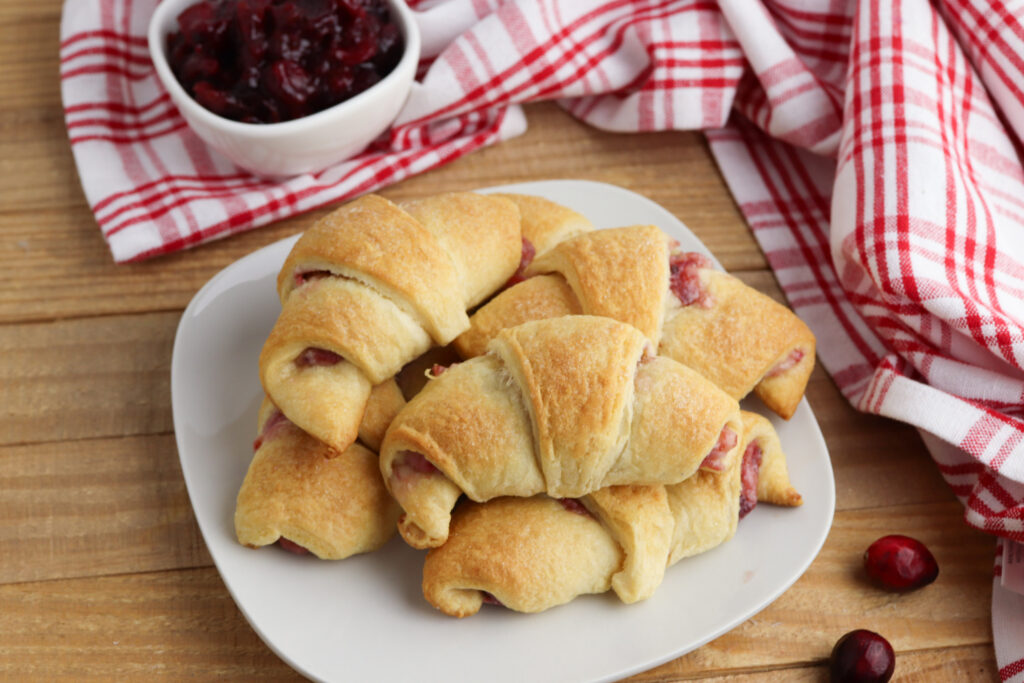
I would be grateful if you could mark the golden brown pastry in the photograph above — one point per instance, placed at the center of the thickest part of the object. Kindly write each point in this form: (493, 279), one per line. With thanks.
(707, 506)
(294, 494)
(370, 287)
(739, 338)
(564, 406)
(531, 554)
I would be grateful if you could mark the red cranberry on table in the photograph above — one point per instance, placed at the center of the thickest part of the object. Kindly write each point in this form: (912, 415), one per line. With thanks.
(265, 61)
(861, 656)
(900, 563)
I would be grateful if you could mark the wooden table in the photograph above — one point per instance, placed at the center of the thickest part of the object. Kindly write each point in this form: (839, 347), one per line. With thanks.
(104, 574)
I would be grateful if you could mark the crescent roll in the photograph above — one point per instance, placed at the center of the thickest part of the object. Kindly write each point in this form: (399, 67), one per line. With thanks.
(294, 494)
(732, 334)
(564, 406)
(531, 554)
(370, 287)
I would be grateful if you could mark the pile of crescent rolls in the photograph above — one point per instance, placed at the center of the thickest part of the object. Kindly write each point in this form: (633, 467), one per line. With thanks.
(550, 409)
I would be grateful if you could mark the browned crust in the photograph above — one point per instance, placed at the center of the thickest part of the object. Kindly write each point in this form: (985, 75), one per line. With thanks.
(530, 553)
(621, 273)
(739, 339)
(545, 223)
(537, 298)
(332, 507)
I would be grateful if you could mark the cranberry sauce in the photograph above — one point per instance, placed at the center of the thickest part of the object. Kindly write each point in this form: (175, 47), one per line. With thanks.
(714, 460)
(525, 259)
(750, 470)
(575, 506)
(312, 357)
(265, 61)
(410, 464)
(292, 546)
(684, 278)
(271, 426)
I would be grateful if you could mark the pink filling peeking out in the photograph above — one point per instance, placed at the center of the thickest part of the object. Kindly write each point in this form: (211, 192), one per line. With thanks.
(726, 442)
(438, 370)
(684, 278)
(410, 464)
(574, 505)
(790, 361)
(490, 599)
(749, 471)
(525, 259)
(313, 357)
(302, 278)
(291, 546)
(272, 426)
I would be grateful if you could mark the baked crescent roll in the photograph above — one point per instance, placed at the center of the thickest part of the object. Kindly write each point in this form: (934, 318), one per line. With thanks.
(531, 554)
(528, 554)
(564, 406)
(294, 494)
(370, 287)
(732, 334)
(707, 507)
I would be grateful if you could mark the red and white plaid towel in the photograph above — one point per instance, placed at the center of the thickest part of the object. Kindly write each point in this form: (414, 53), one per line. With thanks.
(874, 148)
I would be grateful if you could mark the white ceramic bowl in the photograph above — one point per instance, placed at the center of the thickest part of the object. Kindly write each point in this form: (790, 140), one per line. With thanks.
(304, 145)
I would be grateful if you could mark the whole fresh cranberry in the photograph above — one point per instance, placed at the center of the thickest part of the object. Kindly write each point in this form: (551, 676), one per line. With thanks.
(861, 656)
(900, 563)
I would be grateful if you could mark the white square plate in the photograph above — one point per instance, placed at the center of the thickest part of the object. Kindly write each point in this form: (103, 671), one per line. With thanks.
(365, 618)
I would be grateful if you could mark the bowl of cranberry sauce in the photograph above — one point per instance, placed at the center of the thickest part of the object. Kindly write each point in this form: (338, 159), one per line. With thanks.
(284, 87)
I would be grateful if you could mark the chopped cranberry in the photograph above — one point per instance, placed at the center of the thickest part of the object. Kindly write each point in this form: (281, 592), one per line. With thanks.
(684, 278)
(274, 60)
(862, 656)
(574, 505)
(525, 259)
(749, 471)
(900, 563)
(790, 361)
(291, 546)
(437, 370)
(727, 439)
(315, 357)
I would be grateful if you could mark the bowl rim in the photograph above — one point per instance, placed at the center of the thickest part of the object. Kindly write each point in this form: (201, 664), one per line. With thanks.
(157, 51)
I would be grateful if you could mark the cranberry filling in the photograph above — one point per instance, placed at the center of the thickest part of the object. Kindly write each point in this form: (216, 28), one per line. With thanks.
(790, 361)
(749, 470)
(313, 357)
(302, 278)
(272, 426)
(525, 259)
(437, 370)
(291, 546)
(726, 441)
(574, 505)
(264, 61)
(489, 599)
(684, 278)
(411, 464)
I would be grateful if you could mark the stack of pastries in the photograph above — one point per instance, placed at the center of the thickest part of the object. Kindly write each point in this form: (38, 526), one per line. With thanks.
(588, 437)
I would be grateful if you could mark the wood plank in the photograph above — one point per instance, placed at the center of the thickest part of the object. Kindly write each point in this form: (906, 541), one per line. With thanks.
(58, 265)
(835, 596)
(30, 53)
(972, 663)
(100, 506)
(79, 379)
(183, 622)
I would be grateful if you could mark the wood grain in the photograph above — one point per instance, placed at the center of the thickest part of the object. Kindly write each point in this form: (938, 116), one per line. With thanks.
(183, 622)
(105, 575)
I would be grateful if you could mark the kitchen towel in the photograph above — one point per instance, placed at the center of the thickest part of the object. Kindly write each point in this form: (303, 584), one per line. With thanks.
(874, 148)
